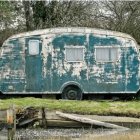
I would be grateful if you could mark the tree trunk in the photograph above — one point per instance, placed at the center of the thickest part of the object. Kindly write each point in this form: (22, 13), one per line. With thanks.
(28, 17)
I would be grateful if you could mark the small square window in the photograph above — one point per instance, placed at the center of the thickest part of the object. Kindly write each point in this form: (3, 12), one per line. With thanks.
(34, 47)
(106, 54)
(74, 54)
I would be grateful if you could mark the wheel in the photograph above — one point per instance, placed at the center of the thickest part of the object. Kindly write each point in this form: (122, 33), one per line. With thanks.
(72, 93)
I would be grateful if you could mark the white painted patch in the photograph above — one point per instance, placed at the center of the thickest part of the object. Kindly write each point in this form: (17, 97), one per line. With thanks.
(46, 50)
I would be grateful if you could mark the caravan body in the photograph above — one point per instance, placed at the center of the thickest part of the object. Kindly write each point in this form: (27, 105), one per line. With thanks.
(71, 61)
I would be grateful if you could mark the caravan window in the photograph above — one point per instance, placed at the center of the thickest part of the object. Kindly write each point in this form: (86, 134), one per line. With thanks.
(106, 54)
(34, 47)
(74, 54)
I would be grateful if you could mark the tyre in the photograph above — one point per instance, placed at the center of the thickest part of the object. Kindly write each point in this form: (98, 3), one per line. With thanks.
(72, 93)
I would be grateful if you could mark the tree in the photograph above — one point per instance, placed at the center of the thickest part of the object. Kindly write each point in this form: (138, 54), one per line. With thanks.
(46, 14)
(6, 19)
(121, 16)
(27, 15)
(30, 15)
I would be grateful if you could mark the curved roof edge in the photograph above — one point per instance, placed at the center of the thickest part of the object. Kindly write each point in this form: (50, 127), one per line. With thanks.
(72, 29)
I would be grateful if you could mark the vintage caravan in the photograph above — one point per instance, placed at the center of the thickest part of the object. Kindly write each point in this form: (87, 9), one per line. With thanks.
(71, 62)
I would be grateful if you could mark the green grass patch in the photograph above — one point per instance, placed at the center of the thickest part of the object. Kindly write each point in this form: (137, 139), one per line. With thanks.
(120, 108)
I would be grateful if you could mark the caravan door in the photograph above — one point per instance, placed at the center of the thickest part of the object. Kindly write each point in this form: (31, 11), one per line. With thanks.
(33, 67)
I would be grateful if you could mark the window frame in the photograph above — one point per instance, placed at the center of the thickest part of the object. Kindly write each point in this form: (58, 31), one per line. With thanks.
(30, 46)
(108, 47)
(75, 47)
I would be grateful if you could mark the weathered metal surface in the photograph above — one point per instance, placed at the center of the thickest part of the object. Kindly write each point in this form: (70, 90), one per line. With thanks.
(49, 72)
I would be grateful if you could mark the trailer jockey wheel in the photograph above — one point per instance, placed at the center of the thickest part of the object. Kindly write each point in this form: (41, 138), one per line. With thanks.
(72, 93)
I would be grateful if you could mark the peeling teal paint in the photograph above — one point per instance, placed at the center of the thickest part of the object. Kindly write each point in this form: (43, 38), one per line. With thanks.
(103, 41)
(75, 40)
(49, 61)
(133, 68)
(48, 71)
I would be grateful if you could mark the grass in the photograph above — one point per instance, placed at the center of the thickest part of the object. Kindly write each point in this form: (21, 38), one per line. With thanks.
(119, 108)
(131, 135)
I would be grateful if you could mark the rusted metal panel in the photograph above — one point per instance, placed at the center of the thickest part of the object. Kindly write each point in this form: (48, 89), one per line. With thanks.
(49, 70)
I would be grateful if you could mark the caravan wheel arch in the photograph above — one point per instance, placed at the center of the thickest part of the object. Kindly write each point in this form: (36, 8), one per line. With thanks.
(72, 91)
